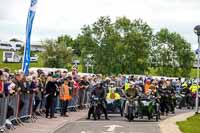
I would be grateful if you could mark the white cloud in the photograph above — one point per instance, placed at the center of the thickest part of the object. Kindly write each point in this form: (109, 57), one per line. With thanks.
(55, 17)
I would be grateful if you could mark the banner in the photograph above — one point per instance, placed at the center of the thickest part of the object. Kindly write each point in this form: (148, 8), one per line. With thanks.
(27, 49)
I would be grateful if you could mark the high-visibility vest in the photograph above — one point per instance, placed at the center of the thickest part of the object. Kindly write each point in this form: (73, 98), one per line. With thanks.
(184, 85)
(127, 86)
(194, 88)
(146, 88)
(64, 93)
(114, 96)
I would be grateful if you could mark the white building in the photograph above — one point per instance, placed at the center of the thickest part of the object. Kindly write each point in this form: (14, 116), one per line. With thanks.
(37, 46)
(17, 45)
(10, 45)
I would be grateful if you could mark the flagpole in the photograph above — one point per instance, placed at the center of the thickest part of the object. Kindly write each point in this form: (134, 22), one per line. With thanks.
(23, 56)
(27, 50)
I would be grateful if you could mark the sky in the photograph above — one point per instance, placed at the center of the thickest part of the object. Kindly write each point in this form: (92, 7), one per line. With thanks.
(58, 17)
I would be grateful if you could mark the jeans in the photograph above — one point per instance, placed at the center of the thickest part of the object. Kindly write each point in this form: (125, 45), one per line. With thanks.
(49, 104)
(37, 103)
(63, 105)
(81, 98)
(54, 104)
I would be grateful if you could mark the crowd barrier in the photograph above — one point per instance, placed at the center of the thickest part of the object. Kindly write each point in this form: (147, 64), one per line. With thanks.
(19, 107)
(3, 112)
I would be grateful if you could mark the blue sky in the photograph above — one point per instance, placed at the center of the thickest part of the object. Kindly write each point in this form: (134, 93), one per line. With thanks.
(57, 17)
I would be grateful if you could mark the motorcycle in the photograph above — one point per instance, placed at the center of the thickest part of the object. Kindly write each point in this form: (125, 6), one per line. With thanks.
(95, 106)
(114, 103)
(183, 100)
(180, 100)
(149, 107)
(131, 109)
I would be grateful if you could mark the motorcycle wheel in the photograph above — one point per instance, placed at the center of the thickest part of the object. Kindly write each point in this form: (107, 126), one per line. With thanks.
(157, 117)
(130, 114)
(130, 117)
(95, 113)
(157, 113)
(149, 116)
(99, 116)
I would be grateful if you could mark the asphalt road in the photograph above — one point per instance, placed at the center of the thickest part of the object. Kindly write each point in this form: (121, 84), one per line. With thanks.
(116, 124)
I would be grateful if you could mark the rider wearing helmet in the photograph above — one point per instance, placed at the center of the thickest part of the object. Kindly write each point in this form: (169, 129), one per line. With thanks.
(188, 95)
(131, 93)
(101, 94)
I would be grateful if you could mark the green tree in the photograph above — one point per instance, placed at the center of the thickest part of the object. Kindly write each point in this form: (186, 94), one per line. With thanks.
(66, 40)
(175, 57)
(119, 47)
(135, 37)
(125, 46)
(56, 55)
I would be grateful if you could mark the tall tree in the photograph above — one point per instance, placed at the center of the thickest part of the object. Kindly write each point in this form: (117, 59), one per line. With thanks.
(56, 55)
(174, 54)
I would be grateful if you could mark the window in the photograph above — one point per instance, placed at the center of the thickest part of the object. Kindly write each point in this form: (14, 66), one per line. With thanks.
(5, 45)
(8, 55)
(18, 45)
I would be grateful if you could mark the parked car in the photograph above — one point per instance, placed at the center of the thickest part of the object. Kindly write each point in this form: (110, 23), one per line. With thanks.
(34, 59)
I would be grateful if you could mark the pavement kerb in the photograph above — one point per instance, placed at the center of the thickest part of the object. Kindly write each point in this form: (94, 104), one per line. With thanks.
(169, 125)
(66, 123)
(60, 126)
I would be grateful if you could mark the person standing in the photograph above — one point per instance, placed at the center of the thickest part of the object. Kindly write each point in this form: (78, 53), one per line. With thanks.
(83, 86)
(35, 91)
(76, 88)
(65, 97)
(51, 94)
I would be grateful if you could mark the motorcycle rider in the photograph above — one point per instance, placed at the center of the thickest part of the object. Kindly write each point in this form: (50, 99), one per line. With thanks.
(171, 98)
(164, 103)
(153, 89)
(106, 84)
(193, 88)
(187, 100)
(154, 92)
(131, 93)
(99, 92)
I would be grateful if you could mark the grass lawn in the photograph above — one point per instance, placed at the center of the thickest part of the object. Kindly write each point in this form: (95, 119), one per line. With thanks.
(191, 125)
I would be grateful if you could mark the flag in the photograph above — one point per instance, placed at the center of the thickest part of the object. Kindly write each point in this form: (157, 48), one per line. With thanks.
(27, 49)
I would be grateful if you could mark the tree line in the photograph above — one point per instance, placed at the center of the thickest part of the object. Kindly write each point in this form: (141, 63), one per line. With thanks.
(122, 47)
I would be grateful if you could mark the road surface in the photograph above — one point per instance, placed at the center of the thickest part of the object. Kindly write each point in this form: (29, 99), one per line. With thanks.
(116, 124)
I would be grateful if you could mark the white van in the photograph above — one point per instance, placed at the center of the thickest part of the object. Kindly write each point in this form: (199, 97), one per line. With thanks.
(11, 57)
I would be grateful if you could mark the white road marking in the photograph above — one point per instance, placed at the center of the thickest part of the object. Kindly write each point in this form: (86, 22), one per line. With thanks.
(111, 128)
